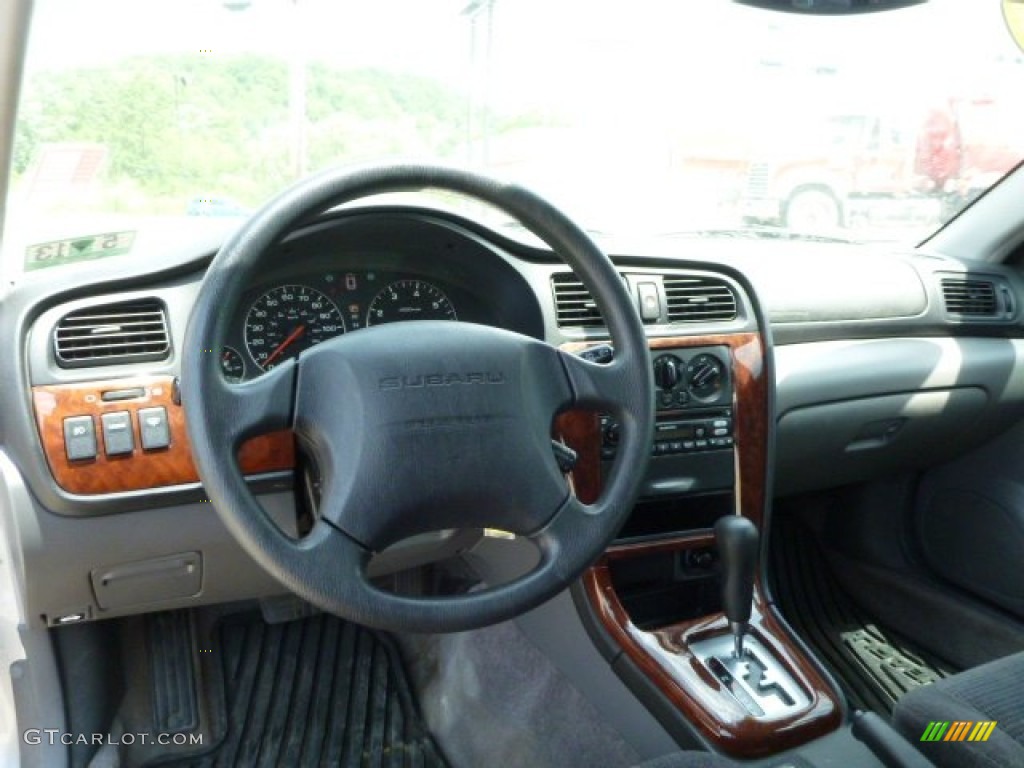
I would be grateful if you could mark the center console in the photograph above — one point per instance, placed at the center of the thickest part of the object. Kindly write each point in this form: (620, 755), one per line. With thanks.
(724, 663)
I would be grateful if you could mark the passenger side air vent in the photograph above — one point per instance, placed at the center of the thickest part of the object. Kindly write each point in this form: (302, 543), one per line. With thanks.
(574, 306)
(127, 332)
(973, 298)
(699, 300)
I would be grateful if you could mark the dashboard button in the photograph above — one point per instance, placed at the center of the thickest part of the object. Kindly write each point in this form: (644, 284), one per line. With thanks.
(117, 433)
(79, 438)
(153, 426)
(650, 303)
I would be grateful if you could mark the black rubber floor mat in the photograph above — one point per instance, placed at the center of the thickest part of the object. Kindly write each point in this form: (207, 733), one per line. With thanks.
(875, 665)
(313, 692)
(170, 643)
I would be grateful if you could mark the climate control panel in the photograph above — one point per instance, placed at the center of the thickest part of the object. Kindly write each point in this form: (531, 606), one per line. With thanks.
(693, 378)
(693, 396)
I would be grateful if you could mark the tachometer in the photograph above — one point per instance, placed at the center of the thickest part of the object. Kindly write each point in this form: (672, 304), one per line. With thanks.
(409, 300)
(288, 319)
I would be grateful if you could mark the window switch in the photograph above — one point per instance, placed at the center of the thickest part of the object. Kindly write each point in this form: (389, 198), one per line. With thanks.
(153, 426)
(79, 438)
(117, 433)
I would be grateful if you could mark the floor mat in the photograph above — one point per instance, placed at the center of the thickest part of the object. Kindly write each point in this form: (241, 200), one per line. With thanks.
(875, 665)
(318, 691)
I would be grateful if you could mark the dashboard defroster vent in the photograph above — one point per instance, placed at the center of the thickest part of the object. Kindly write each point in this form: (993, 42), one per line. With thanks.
(693, 299)
(974, 298)
(574, 306)
(126, 332)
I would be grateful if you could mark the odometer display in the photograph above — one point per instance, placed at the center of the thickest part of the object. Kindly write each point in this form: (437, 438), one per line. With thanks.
(409, 300)
(288, 319)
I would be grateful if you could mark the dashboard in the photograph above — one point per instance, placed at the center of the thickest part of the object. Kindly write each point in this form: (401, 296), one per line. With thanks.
(869, 347)
(355, 269)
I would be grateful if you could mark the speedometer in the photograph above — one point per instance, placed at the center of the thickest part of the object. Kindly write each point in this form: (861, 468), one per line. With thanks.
(288, 319)
(409, 300)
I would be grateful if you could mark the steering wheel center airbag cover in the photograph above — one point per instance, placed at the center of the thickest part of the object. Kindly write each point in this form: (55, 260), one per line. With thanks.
(432, 425)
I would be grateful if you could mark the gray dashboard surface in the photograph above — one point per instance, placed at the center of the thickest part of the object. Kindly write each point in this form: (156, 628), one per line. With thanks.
(852, 410)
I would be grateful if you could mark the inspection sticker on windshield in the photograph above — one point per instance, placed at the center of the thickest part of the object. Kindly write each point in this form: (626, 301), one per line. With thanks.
(60, 252)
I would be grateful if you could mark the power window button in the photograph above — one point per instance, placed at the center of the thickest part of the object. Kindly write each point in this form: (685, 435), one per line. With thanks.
(79, 438)
(153, 426)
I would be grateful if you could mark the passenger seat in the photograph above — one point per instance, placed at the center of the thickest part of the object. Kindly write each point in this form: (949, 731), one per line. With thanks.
(993, 692)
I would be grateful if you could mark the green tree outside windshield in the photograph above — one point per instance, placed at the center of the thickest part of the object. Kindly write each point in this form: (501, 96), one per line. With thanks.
(180, 126)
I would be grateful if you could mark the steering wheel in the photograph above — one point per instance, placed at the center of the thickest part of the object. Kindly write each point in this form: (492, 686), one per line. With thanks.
(418, 426)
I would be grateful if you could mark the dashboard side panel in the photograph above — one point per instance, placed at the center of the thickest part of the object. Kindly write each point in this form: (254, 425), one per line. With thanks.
(940, 397)
(142, 469)
(60, 555)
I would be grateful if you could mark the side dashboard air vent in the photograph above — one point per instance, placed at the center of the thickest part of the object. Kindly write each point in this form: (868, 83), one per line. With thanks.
(126, 332)
(574, 306)
(699, 299)
(970, 297)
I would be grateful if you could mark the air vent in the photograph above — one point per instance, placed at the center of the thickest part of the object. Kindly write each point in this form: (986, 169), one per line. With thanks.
(128, 332)
(698, 300)
(574, 307)
(973, 298)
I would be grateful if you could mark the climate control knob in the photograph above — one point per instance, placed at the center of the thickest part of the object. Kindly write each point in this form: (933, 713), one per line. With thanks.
(668, 371)
(706, 375)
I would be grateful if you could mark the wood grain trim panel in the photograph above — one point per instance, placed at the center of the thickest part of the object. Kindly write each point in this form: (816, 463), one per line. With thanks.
(581, 431)
(142, 469)
(664, 655)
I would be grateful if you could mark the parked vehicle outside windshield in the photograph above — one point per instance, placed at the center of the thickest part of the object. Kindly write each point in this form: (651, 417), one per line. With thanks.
(640, 117)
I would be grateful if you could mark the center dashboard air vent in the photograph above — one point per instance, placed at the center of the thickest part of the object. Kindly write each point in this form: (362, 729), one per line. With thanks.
(125, 332)
(693, 299)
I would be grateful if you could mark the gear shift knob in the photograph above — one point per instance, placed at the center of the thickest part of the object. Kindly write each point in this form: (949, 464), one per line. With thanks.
(737, 540)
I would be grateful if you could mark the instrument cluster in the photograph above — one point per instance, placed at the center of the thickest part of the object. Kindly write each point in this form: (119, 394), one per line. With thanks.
(282, 320)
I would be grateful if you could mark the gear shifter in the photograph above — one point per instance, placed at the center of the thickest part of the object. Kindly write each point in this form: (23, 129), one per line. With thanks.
(737, 539)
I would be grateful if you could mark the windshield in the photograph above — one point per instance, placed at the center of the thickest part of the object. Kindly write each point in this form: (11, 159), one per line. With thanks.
(646, 117)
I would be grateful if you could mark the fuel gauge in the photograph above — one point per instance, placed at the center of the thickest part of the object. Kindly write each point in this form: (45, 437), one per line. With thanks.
(232, 364)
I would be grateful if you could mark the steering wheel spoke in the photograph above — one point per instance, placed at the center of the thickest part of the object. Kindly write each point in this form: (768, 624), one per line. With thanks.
(261, 405)
(598, 385)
